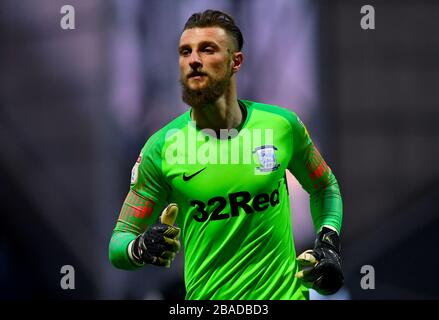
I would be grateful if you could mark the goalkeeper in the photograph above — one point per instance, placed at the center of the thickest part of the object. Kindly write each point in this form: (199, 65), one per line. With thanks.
(229, 200)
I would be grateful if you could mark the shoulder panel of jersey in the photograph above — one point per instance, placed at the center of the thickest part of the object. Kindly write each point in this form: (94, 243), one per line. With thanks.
(299, 133)
(147, 177)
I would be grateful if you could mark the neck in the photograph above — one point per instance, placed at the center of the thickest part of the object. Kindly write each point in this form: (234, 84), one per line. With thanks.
(224, 113)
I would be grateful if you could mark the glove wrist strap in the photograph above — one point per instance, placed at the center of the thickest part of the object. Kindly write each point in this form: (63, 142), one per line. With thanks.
(133, 252)
(328, 238)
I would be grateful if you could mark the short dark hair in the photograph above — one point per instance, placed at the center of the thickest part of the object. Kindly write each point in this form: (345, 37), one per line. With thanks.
(216, 18)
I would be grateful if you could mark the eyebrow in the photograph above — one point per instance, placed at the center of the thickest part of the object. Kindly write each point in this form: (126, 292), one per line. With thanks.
(204, 43)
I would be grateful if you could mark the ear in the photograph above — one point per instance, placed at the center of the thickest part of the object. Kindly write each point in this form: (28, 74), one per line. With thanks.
(237, 59)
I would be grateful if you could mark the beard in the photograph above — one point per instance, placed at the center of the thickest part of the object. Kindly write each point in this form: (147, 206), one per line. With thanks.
(207, 95)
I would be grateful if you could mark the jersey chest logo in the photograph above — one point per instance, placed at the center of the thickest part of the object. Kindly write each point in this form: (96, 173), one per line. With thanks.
(187, 178)
(266, 157)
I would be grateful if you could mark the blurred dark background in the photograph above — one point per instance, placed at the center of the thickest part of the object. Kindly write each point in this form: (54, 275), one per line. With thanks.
(76, 106)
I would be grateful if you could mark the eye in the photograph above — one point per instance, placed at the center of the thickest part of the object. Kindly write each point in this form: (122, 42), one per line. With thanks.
(184, 52)
(208, 49)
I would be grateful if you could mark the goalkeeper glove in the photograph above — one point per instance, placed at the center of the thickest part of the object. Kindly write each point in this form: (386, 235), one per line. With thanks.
(321, 267)
(159, 244)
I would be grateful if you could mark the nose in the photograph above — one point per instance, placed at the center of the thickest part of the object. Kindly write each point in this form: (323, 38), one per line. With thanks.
(195, 61)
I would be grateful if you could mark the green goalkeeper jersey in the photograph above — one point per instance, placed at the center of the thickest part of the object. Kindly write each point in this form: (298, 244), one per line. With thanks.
(234, 209)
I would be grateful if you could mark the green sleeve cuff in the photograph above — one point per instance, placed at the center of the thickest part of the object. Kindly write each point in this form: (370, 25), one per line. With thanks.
(118, 250)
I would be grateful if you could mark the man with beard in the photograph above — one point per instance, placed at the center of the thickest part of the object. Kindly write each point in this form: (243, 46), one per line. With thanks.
(222, 165)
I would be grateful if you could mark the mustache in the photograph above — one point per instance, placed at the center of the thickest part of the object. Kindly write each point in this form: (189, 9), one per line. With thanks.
(196, 73)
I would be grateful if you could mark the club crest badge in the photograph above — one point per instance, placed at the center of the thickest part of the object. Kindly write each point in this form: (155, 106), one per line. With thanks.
(266, 158)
